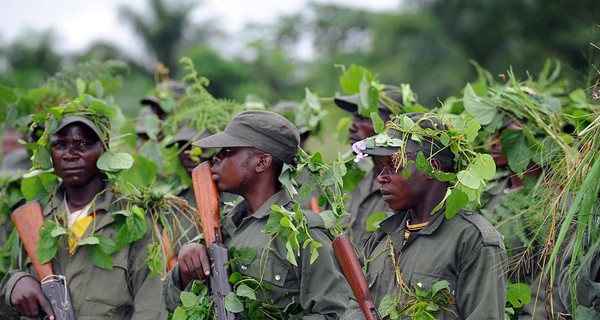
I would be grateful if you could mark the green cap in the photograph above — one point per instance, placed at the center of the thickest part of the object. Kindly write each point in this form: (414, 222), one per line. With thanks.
(386, 142)
(91, 124)
(350, 103)
(175, 88)
(264, 130)
(187, 134)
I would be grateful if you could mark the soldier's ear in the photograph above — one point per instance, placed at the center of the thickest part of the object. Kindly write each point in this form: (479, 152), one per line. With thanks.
(436, 164)
(264, 162)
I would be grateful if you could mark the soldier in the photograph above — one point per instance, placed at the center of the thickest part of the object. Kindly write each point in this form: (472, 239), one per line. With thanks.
(254, 147)
(416, 247)
(365, 198)
(82, 204)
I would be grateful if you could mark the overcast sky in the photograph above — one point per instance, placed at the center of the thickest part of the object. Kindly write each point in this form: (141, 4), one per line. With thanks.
(76, 23)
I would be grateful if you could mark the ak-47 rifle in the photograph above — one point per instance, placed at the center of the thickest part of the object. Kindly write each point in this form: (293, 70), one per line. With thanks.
(207, 198)
(346, 257)
(28, 220)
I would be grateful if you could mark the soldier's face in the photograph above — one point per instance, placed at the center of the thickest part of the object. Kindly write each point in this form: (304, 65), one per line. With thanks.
(232, 170)
(75, 151)
(398, 192)
(361, 128)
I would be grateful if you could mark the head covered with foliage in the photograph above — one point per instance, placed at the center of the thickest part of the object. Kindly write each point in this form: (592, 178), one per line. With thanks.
(425, 136)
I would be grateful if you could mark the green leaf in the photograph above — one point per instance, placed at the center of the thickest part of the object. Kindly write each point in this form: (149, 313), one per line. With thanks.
(245, 291)
(114, 161)
(179, 313)
(481, 109)
(586, 313)
(329, 218)
(88, 241)
(484, 165)
(58, 231)
(289, 255)
(140, 175)
(440, 285)
(7, 94)
(43, 158)
(374, 219)
(233, 304)
(100, 258)
(518, 295)
(469, 178)
(455, 202)
(351, 79)
(188, 299)
(378, 124)
(516, 148)
(38, 186)
(312, 100)
(387, 306)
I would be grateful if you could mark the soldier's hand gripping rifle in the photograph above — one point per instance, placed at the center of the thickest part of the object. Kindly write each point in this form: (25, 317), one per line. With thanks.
(346, 257)
(207, 198)
(28, 220)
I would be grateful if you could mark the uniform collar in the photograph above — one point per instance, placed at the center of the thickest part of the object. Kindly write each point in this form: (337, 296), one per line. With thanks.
(397, 222)
(100, 204)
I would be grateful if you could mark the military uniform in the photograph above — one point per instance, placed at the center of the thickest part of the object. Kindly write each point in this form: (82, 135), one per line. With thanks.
(319, 288)
(127, 291)
(466, 251)
(586, 289)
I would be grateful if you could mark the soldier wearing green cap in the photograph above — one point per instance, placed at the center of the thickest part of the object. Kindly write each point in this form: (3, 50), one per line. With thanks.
(416, 246)
(253, 149)
(82, 205)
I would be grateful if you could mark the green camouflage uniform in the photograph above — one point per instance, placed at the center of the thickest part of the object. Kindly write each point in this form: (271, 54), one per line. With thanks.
(319, 288)
(466, 251)
(127, 291)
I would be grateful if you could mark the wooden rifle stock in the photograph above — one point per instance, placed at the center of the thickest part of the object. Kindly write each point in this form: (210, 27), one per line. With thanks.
(28, 220)
(346, 257)
(207, 199)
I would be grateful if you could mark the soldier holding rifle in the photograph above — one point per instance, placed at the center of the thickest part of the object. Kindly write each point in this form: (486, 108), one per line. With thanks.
(82, 204)
(420, 262)
(255, 145)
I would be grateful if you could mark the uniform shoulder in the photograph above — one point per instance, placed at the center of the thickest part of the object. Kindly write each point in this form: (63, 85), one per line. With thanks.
(489, 234)
(314, 219)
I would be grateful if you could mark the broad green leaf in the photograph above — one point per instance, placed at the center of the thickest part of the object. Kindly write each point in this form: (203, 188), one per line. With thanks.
(387, 307)
(88, 241)
(484, 165)
(312, 100)
(586, 313)
(455, 202)
(469, 178)
(440, 285)
(378, 123)
(329, 218)
(233, 303)
(179, 313)
(100, 258)
(58, 231)
(518, 294)
(188, 299)
(314, 251)
(515, 147)
(111, 161)
(374, 219)
(351, 79)
(481, 109)
(38, 186)
(43, 158)
(245, 291)
(142, 174)
(289, 255)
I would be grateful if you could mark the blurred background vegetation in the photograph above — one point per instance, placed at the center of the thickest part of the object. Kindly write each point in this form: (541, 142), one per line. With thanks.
(430, 44)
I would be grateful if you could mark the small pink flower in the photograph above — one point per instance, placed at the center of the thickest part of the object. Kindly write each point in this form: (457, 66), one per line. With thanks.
(357, 148)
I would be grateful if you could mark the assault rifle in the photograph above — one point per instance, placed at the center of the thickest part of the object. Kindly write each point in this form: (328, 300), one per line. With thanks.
(207, 198)
(346, 257)
(28, 220)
